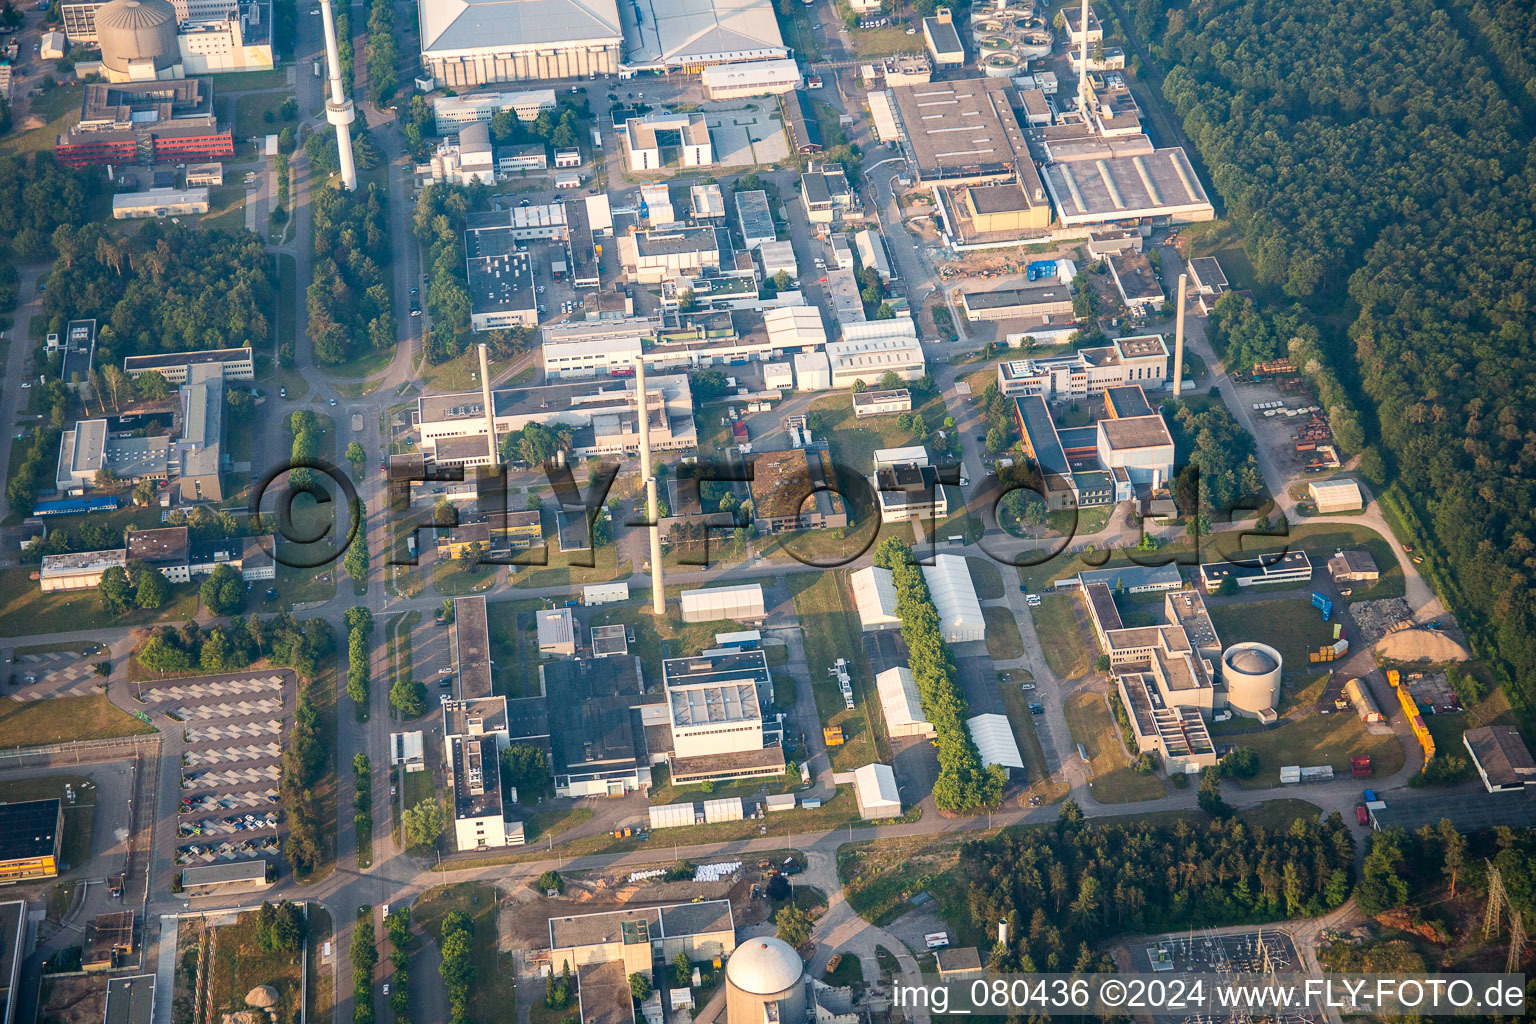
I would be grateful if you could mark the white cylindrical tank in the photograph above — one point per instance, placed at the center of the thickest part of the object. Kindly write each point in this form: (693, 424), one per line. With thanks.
(764, 972)
(137, 32)
(1251, 671)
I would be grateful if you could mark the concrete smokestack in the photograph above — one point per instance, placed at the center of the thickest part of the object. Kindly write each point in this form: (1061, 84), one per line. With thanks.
(1178, 338)
(490, 410)
(1082, 77)
(338, 109)
(658, 591)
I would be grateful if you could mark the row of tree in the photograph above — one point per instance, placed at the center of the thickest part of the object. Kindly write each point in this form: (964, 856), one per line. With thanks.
(306, 755)
(229, 647)
(350, 308)
(365, 957)
(456, 942)
(362, 807)
(964, 783)
(1064, 889)
(398, 923)
(359, 672)
(380, 51)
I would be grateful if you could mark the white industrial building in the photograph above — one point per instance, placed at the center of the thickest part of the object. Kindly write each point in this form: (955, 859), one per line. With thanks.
(594, 347)
(755, 78)
(478, 42)
(474, 734)
(604, 593)
(874, 787)
(994, 740)
(1140, 445)
(900, 704)
(645, 138)
(690, 37)
(778, 375)
(669, 252)
(79, 570)
(453, 112)
(882, 114)
(1338, 495)
(813, 372)
(160, 203)
(872, 253)
(408, 750)
(870, 358)
(707, 202)
(741, 603)
(874, 595)
(1141, 360)
(468, 160)
(755, 218)
(556, 631)
(954, 596)
(713, 717)
(777, 256)
(794, 328)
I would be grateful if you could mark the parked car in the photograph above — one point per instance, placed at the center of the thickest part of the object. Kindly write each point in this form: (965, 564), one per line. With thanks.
(1036, 708)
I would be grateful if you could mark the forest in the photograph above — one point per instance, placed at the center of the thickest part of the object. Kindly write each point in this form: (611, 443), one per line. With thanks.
(1376, 158)
(349, 298)
(1065, 888)
(166, 288)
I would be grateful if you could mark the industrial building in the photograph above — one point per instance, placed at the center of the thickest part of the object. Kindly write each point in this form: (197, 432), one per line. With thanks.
(225, 879)
(146, 123)
(159, 203)
(994, 740)
(468, 159)
(556, 629)
(874, 596)
(875, 790)
(1337, 495)
(467, 43)
(149, 40)
(1353, 567)
(909, 489)
(765, 981)
(961, 131)
(954, 597)
(1157, 185)
(900, 705)
(1141, 360)
(868, 350)
(942, 40)
(130, 1000)
(1136, 281)
(691, 37)
(599, 714)
(603, 413)
(1290, 568)
(715, 701)
(1002, 211)
(793, 490)
(234, 364)
(881, 403)
(79, 570)
(474, 735)
(757, 78)
(14, 950)
(653, 256)
(1139, 445)
(1502, 759)
(754, 218)
(1047, 301)
(31, 834)
(657, 140)
(800, 122)
(452, 113)
(636, 938)
(825, 193)
(1251, 672)
(743, 603)
(501, 286)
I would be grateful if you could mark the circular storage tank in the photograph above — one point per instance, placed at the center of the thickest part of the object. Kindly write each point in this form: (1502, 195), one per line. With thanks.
(1252, 673)
(1034, 43)
(135, 32)
(1000, 65)
(763, 972)
(988, 45)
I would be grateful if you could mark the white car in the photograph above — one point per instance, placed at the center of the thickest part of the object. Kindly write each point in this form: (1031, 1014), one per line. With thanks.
(1026, 686)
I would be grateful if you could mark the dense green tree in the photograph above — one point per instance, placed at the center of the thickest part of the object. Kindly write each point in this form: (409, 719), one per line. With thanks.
(115, 590)
(223, 592)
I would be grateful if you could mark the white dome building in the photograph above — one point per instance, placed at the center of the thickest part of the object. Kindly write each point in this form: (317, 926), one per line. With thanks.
(1251, 671)
(764, 972)
(138, 40)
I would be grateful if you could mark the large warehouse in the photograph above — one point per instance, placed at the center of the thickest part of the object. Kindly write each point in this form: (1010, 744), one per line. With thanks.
(961, 131)
(694, 34)
(477, 42)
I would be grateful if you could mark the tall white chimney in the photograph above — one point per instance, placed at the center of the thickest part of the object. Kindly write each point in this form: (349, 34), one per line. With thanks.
(338, 109)
(1082, 77)
(1178, 338)
(490, 410)
(658, 591)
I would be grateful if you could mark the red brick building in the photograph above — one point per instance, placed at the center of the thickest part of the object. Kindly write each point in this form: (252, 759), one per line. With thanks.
(146, 123)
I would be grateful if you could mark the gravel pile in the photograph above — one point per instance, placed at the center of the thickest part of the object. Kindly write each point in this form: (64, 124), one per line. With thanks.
(1376, 619)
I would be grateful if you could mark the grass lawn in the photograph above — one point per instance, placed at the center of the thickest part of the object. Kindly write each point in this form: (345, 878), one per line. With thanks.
(1113, 782)
(295, 586)
(226, 207)
(1278, 815)
(986, 578)
(451, 580)
(877, 42)
(414, 788)
(493, 993)
(462, 373)
(28, 610)
(321, 692)
(397, 636)
(1061, 636)
(79, 817)
(60, 719)
(854, 441)
(1288, 623)
(238, 81)
(365, 365)
(515, 648)
(239, 964)
(250, 111)
(879, 878)
(566, 568)
(321, 990)
(543, 824)
(1308, 738)
(1079, 522)
(1003, 640)
(60, 107)
(829, 634)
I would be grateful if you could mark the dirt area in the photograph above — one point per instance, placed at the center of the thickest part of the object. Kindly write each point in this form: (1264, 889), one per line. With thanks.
(1421, 645)
(1432, 689)
(73, 1000)
(1375, 619)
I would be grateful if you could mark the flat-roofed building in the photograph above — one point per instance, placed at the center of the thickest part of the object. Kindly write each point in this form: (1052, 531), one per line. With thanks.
(1353, 567)
(962, 130)
(453, 112)
(756, 78)
(234, 364)
(637, 937)
(792, 490)
(79, 570)
(1049, 301)
(161, 122)
(1037, 109)
(1337, 495)
(1126, 400)
(1159, 185)
(1141, 445)
(942, 39)
(1141, 360)
(881, 403)
(1502, 758)
(585, 349)
(556, 631)
(165, 548)
(668, 252)
(472, 646)
(225, 879)
(90, 448)
(993, 212)
(909, 491)
(715, 702)
(648, 139)
(500, 277)
(474, 734)
(754, 218)
(599, 712)
(131, 1000)
(14, 950)
(166, 203)
(31, 834)
(1136, 281)
(1258, 569)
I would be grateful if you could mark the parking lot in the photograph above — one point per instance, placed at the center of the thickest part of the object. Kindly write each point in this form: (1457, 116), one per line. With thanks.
(54, 674)
(233, 728)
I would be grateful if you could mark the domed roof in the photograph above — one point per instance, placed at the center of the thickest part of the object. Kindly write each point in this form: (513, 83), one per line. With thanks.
(1253, 661)
(135, 14)
(764, 966)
